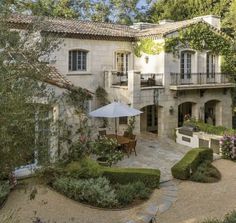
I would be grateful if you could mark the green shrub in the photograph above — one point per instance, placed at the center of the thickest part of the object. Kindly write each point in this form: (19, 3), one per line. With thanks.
(150, 177)
(4, 191)
(49, 173)
(96, 191)
(229, 218)
(212, 221)
(211, 129)
(189, 163)
(126, 194)
(106, 148)
(85, 168)
(206, 173)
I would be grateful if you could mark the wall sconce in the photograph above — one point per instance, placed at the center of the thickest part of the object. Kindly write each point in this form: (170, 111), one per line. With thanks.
(146, 59)
(171, 110)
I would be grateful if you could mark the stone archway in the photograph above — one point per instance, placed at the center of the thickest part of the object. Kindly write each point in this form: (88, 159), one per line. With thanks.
(213, 112)
(150, 118)
(186, 109)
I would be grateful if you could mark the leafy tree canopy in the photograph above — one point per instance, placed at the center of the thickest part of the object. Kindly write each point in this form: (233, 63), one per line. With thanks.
(123, 12)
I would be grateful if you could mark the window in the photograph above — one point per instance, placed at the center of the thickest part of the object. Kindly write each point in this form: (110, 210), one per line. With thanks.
(186, 64)
(122, 62)
(123, 120)
(78, 60)
(210, 65)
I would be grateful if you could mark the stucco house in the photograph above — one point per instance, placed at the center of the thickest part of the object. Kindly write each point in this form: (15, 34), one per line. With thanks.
(164, 86)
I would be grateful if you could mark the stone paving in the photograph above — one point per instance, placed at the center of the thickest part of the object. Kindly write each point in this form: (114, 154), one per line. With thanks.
(154, 152)
(149, 213)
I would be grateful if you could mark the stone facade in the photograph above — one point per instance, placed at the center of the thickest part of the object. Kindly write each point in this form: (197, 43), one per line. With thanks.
(164, 102)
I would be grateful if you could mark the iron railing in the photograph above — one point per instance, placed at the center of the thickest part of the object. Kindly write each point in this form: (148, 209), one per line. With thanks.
(151, 79)
(146, 79)
(199, 78)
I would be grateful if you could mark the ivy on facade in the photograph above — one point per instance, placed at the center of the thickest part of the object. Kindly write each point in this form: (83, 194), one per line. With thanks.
(197, 37)
(147, 46)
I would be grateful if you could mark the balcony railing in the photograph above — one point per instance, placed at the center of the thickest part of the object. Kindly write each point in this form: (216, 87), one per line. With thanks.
(146, 80)
(151, 80)
(119, 78)
(199, 78)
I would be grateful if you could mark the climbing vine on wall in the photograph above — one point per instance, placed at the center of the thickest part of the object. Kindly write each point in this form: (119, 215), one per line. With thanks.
(77, 97)
(147, 46)
(199, 37)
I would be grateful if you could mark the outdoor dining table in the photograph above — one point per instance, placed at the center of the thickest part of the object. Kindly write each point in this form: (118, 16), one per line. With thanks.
(122, 140)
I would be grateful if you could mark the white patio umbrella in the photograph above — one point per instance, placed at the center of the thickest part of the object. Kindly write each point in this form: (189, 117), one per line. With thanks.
(115, 110)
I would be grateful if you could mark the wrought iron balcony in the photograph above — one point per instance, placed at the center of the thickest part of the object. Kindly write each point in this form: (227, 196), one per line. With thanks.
(146, 79)
(187, 81)
(151, 80)
(199, 78)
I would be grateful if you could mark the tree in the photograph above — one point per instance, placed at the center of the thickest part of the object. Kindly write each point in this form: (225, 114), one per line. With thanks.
(23, 117)
(123, 12)
(51, 8)
(186, 9)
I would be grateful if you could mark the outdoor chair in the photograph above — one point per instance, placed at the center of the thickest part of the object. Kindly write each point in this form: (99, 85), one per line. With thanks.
(101, 133)
(130, 147)
(128, 135)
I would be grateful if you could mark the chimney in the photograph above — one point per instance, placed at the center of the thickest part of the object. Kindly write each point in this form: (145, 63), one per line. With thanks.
(143, 25)
(211, 19)
(165, 21)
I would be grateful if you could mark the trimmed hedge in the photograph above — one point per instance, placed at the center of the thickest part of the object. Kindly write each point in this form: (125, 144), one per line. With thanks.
(189, 163)
(150, 177)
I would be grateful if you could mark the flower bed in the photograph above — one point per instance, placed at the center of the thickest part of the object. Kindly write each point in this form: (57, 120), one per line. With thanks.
(105, 187)
(228, 147)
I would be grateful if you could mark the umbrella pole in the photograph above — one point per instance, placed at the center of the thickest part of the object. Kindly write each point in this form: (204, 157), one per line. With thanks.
(116, 127)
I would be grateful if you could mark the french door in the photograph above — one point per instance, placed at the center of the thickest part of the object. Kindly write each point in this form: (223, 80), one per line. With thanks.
(151, 118)
(186, 67)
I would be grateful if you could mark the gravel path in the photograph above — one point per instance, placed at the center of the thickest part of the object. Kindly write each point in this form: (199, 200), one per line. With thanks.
(53, 207)
(197, 201)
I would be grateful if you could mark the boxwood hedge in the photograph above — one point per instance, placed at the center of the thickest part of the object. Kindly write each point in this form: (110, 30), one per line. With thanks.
(150, 177)
(189, 163)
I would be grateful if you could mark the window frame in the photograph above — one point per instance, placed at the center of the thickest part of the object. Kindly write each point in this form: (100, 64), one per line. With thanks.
(186, 63)
(71, 60)
(211, 59)
(126, 63)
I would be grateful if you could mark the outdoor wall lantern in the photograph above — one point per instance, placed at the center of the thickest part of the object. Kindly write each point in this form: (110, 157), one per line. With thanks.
(146, 59)
(171, 110)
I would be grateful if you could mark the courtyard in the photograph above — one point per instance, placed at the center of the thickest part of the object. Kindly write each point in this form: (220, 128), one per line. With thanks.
(191, 202)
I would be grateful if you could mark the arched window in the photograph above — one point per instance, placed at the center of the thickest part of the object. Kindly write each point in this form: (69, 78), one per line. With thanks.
(78, 60)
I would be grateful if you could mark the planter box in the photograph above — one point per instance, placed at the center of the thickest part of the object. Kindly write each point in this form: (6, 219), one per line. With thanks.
(198, 139)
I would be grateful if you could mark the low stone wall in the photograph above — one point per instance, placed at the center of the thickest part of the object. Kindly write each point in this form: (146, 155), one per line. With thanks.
(198, 139)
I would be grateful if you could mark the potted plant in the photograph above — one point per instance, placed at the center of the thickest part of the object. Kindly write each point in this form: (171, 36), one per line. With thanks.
(107, 152)
(130, 129)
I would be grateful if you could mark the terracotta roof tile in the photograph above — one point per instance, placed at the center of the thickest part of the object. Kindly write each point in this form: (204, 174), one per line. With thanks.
(57, 79)
(74, 26)
(98, 29)
(164, 29)
(89, 28)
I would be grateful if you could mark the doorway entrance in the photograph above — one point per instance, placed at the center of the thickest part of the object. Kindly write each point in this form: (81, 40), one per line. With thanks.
(184, 111)
(152, 118)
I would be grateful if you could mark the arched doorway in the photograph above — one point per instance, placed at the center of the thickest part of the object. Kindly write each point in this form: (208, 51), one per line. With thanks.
(211, 112)
(184, 110)
(149, 119)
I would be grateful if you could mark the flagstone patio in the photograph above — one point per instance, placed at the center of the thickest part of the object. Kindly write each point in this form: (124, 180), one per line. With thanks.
(154, 152)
